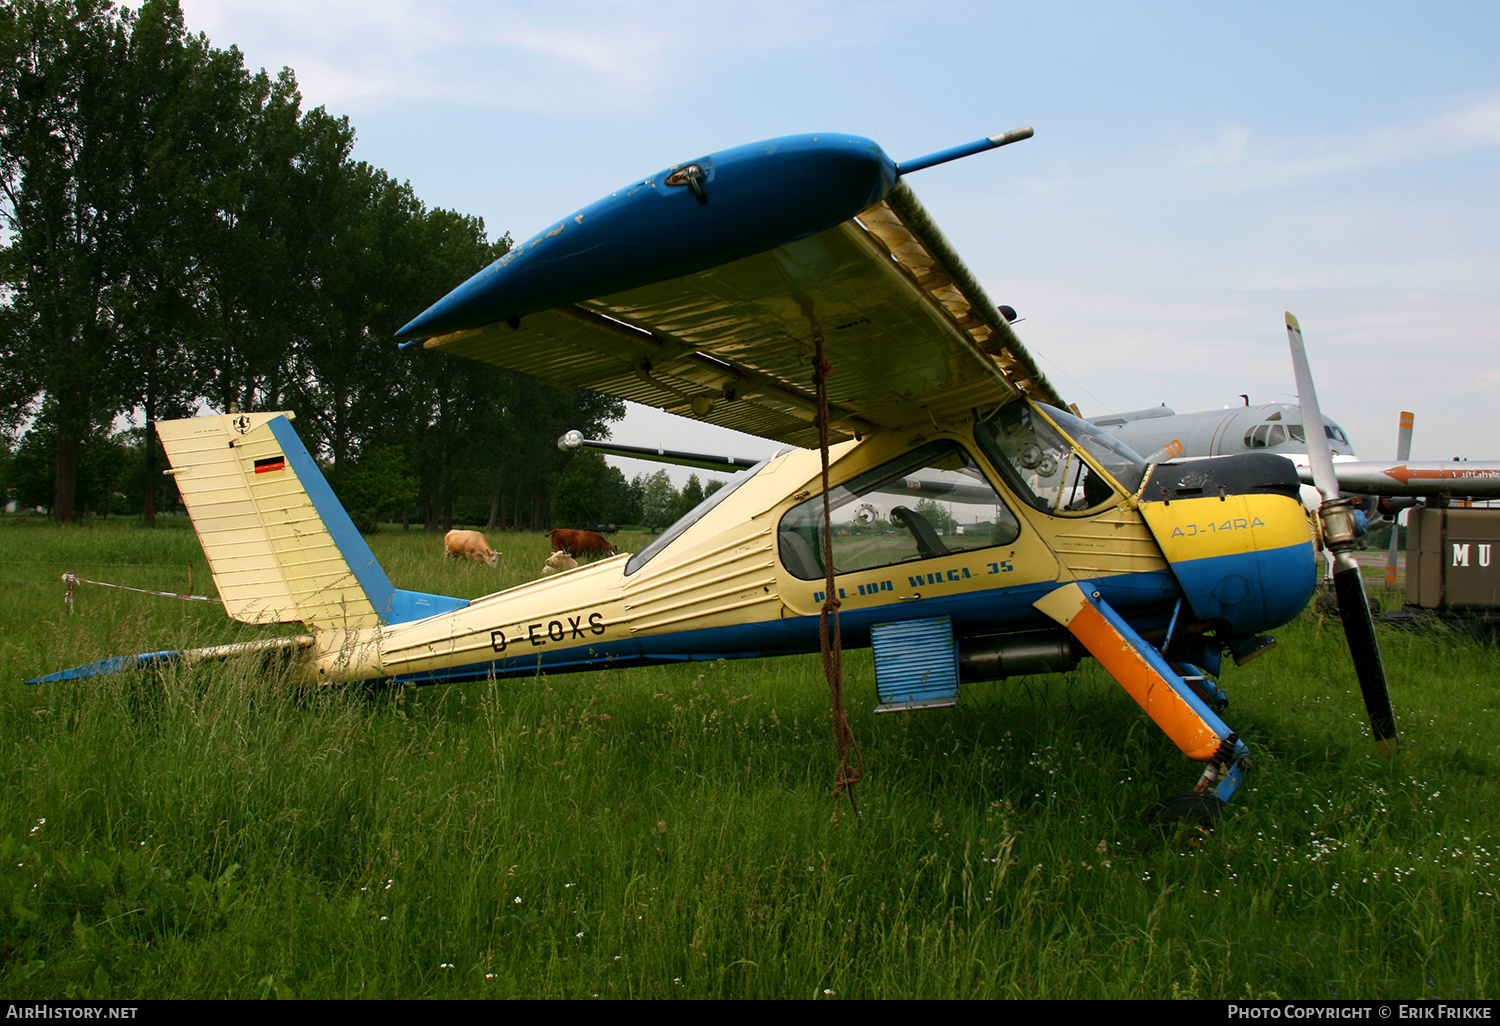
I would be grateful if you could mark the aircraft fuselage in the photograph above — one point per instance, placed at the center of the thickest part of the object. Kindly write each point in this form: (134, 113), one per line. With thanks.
(975, 523)
(1270, 427)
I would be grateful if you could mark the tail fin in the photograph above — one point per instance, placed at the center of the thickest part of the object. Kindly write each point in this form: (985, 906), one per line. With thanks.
(279, 544)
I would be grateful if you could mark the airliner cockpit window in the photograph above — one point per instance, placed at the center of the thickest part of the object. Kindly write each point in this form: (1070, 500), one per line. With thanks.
(930, 502)
(1333, 431)
(1264, 436)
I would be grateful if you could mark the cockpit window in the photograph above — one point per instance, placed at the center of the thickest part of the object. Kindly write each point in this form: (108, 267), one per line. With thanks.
(930, 502)
(1264, 436)
(1044, 465)
(1333, 431)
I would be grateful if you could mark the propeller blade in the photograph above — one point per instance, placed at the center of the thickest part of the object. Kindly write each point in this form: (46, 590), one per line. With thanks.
(1403, 454)
(1339, 535)
(1319, 458)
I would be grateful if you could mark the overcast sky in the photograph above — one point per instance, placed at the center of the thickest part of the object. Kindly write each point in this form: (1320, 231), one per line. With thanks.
(1197, 168)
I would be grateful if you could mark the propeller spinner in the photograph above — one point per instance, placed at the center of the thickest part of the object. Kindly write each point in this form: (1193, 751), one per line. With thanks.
(1336, 520)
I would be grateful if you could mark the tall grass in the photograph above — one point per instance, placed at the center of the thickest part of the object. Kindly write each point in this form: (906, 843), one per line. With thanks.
(667, 831)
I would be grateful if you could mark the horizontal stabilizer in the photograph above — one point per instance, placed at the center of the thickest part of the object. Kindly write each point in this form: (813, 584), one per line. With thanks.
(120, 664)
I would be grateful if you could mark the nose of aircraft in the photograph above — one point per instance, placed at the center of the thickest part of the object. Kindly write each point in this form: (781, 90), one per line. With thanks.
(1236, 536)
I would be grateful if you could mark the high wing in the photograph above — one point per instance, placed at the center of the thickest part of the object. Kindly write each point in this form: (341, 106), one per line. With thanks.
(909, 334)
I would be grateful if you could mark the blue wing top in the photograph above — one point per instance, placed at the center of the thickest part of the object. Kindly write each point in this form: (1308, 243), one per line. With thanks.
(687, 218)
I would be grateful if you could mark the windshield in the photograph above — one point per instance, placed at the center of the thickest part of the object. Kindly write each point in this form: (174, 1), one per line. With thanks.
(1044, 465)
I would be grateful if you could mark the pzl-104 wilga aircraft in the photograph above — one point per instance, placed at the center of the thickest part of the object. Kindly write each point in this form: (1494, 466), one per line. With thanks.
(974, 530)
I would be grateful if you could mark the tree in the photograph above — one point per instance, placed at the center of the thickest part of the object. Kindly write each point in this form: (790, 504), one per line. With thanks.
(175, 229)
(107, 472)
(688, 498)
(656, 498)
(109, 155)
(179, 97)
(376, 488)
(60, 81)
(589, 493)
(937, 515)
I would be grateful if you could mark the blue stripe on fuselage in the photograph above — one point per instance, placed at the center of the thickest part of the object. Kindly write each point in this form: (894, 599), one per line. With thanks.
(1148, 595)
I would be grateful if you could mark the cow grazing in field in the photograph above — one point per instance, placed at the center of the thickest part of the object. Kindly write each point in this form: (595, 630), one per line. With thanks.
(469, 545)
(580, 543)
(558, 562)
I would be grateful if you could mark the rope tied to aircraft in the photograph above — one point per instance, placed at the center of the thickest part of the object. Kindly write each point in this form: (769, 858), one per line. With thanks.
(72, 580)
(830, 637)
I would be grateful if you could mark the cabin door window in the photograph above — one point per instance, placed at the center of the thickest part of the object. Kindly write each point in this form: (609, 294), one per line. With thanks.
(930, 502)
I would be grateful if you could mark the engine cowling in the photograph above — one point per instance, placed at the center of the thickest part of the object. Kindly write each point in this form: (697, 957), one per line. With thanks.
(1237, 537)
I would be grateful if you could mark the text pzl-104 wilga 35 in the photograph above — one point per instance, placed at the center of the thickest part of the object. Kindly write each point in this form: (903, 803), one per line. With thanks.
(976, 530)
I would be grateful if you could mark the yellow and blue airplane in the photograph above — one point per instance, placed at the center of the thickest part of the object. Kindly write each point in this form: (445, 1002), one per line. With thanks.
(973, 529)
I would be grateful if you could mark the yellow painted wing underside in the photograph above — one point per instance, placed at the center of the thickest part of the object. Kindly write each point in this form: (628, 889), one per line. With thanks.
(910, 336)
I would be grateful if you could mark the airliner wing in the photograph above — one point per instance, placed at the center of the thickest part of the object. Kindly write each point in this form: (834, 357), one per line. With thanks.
(1425, 477)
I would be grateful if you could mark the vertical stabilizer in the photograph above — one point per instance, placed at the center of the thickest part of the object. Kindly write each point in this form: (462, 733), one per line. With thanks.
(279, 544)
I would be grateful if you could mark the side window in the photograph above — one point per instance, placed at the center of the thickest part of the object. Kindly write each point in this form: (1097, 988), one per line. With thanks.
(930, 502)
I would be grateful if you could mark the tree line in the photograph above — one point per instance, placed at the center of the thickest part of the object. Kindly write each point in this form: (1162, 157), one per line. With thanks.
(177, 232)
(590, 492)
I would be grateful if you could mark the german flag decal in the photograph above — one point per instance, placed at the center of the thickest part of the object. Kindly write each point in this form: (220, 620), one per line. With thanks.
(269, 464)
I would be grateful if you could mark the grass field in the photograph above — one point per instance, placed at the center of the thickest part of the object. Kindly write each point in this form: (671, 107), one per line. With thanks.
(667, 831)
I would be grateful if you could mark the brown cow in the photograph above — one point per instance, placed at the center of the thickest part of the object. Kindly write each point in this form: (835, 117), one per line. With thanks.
(469, 545)
(580, 543)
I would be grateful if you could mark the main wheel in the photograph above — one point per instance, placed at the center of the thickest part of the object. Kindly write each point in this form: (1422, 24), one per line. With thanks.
(1198, 805)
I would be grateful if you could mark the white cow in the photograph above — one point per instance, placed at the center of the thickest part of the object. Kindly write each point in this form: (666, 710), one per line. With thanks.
(558, 562)
(469, 545)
